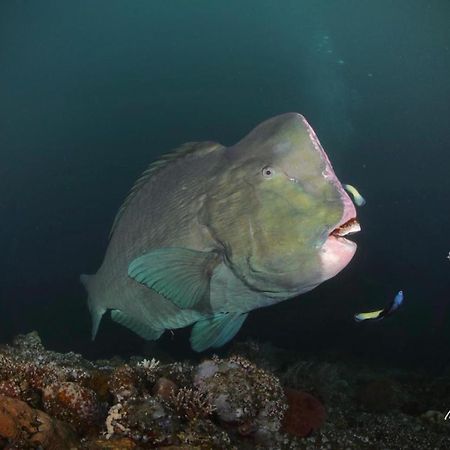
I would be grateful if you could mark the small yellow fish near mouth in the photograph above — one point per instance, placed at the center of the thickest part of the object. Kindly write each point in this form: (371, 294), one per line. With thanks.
(357, 197)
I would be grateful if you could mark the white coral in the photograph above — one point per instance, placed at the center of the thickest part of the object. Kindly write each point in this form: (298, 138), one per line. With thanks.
(112, 423)
(148, 364)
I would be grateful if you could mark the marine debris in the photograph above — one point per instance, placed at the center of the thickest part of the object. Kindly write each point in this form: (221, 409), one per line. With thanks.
(259, 398)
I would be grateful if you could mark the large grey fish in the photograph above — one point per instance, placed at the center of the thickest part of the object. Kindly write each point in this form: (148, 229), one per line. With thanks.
(209, 233)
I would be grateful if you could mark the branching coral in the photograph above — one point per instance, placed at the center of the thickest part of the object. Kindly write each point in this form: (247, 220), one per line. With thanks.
(191, 404)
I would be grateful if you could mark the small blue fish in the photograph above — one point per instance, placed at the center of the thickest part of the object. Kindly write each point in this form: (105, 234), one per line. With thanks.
(382, 313)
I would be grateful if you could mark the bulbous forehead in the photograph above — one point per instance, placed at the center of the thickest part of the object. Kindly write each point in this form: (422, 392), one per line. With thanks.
(286, 140)
(273, 136)
(290, 144)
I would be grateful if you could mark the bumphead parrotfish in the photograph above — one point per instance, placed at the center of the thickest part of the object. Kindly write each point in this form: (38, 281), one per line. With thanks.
(209, 233)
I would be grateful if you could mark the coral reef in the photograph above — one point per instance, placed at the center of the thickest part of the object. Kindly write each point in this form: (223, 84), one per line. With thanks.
(55, 401)
(139, 404)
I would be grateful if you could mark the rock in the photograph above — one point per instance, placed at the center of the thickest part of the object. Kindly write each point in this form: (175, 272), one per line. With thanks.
(10, 388)
(124, 383)
(99, 383)
(164, 388)
(305, 413)
(143, 419)
(432, 417)
(25, 427)
(436, 420)
(112, 444)
(380, 395)
(243, 395)
(72, 403)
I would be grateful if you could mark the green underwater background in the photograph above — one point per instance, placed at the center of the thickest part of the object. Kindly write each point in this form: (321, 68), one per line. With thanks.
(92, 91)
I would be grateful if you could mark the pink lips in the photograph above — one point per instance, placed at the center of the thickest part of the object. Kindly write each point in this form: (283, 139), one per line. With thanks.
(348, 224)
(338, 251)
(335, 254)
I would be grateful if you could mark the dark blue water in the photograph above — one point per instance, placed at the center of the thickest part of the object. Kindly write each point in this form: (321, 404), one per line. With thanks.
(92, 91)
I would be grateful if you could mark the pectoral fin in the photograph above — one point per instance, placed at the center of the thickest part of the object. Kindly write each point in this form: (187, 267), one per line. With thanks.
(181, 275)
(216, 331)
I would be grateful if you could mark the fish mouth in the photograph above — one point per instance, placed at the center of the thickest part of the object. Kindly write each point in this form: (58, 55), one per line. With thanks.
(338, 251)
(350, 226)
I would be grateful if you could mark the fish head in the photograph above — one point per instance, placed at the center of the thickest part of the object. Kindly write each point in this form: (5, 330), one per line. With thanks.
(280, 211)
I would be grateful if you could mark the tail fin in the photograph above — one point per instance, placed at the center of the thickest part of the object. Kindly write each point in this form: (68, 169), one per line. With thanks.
(97, 311)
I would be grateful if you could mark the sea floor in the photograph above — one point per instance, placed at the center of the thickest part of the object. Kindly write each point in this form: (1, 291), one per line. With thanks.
(255, 397)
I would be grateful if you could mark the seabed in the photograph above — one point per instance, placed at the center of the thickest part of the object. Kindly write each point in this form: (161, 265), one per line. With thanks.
(256, 397)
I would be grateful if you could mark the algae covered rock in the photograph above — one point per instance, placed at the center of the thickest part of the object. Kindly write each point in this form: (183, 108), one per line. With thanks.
(24, 427)
(72, 403)
(243, 394)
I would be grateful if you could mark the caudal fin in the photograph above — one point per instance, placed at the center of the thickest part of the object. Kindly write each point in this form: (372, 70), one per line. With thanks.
(96, 310)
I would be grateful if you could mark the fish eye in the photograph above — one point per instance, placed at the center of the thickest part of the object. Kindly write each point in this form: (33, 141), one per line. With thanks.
(268, 172)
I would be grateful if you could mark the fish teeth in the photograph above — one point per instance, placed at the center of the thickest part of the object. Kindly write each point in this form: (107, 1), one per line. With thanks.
(350, 227)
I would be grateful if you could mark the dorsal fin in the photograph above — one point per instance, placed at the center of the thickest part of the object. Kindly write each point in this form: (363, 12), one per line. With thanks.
(202, 148)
